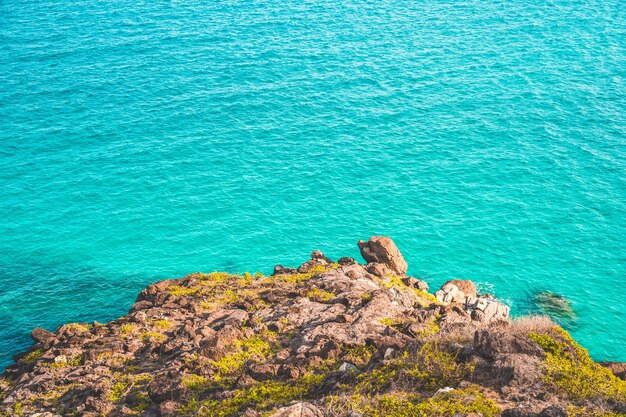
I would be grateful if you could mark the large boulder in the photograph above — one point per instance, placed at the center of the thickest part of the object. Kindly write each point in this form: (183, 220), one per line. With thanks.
(492, 343)
(381, 249)
(512, 360)
(42, 336)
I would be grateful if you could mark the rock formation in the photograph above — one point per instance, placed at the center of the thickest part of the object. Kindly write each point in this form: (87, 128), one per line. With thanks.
(381, 250)
(325, 339)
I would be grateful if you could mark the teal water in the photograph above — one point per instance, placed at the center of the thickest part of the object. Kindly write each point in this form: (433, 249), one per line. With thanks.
(145, 140)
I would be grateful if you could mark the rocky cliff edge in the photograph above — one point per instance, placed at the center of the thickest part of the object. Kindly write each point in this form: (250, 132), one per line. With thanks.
(328, 339)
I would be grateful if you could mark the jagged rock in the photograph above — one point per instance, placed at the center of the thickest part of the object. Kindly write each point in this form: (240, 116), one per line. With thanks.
(227, 317)
(485, 309)
(515, 370)
(309, 266)
(513, 360)
(382, 250)
(415, 283)
(466, 286)
(518, 412)
(262, 371)
(168, 409)
(280, 270)
(456, 291)
(299, 410)
(378, 269)
(492, 343)
(141, 305)
(42, 336)
(346, 260)
(318, 255)
(166, 387)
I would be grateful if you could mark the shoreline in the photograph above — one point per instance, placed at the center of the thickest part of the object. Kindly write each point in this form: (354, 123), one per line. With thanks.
(207, 344)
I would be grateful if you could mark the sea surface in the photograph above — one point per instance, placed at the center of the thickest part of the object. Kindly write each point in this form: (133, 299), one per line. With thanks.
(143, 140)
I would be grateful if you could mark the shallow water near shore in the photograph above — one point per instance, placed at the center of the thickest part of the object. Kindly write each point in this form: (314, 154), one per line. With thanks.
(147, 140)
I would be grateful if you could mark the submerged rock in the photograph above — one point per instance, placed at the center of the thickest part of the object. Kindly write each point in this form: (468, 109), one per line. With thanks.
(554, 305)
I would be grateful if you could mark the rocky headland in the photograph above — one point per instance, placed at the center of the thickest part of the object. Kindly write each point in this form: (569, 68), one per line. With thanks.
(327, 339)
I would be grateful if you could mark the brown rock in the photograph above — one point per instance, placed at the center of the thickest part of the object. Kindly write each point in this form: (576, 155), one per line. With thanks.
(165, 387)
(227, 317)
(156, 288)
(262, 371)
(168, 408)
(317, 255)
(381, 249)
(490, 344)
(346, 260)
(281, 270)
(554, 410)
(42, 336)
(456, 291)
(415, 283)
(518, 412)
(310, 265)
(141, 305)
(467, 286)
(378, 269)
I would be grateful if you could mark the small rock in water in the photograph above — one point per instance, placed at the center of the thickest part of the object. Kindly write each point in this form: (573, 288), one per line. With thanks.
(554, 305)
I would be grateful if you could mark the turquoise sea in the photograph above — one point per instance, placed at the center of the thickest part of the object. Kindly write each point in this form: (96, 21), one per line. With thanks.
(141, 140)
